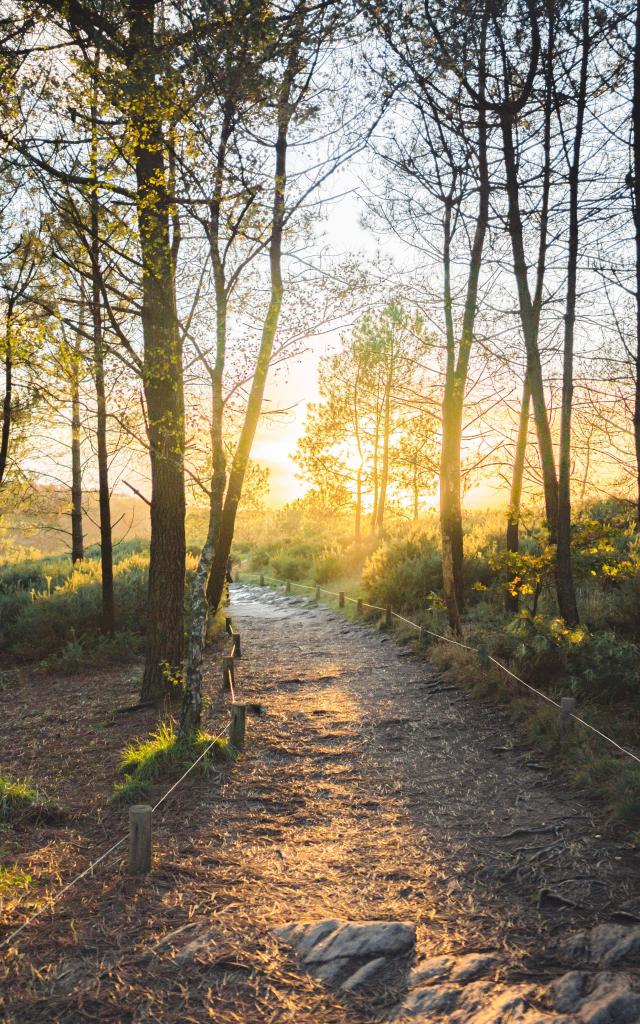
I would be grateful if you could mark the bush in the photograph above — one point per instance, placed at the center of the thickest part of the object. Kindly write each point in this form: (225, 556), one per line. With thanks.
(403, 573)
(292, 566)
(601, 667)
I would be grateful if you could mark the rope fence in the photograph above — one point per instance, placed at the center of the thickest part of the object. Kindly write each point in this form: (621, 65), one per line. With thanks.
(140, 815)
(566, 705)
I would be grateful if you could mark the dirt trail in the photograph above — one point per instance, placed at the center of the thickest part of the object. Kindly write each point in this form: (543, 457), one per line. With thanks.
(368, 790)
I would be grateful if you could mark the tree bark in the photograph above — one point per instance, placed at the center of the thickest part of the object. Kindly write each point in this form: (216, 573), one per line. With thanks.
(77, 535)
(529, 322)
(456, 381)
(104, 493)
(162, 372)
(386, 431)
(7, 407)
(254, 404)
(635, 121)
(564, 568)
(512, 602)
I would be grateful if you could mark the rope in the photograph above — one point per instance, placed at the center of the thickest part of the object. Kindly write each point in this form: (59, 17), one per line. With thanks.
(54, 900)
(498, 664)
(190, 768)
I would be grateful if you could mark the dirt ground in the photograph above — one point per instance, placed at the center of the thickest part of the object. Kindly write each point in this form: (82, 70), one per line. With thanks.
(368, 790)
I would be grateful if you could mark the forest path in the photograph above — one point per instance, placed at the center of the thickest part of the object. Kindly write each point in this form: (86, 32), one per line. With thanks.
(368, 790)
(378, 792)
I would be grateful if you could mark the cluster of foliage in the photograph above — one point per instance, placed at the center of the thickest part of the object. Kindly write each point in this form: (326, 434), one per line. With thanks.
(163, 755)
(50, 609)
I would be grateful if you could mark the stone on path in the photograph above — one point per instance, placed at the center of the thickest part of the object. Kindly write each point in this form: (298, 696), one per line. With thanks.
(351, 955)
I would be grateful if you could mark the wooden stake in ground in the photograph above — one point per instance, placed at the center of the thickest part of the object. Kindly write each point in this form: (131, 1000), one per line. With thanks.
(139, 839)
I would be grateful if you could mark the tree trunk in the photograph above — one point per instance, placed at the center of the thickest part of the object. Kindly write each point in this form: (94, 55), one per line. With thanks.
(416, 492)
(635, 119)
(358, 522)
(77, 536)
(162, 374)
(456, 376)
(564, 569)
(254, 404)
(7, 407)
(529, 322)
(104, 494)
(386, 430)
(513, 517)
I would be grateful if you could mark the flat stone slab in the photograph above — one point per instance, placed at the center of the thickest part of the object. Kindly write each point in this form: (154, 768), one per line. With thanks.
(351, 955)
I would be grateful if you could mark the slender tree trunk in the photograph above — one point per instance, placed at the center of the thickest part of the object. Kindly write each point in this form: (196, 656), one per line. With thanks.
(457, 373)
(77, 535)
(162, 373)
(529, 322)
(7, 407)
(376, 445)
(358, 522)
(192, 703)
(635, 119)
(564, 568)
(416, 493)
(515, 498)
(254, 404)
(386, 431)
(104, 493)
(450, 504)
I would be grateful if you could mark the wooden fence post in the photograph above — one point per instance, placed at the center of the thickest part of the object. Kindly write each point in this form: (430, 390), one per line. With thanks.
(567, 709)
(261, 580)
(228, 625)
(228, 671)
(139, 839)
(238, 725)
(235, 639)
(287, 588)
(341, 599)
(359, 608)
(317, 593)
(483, 655)
(387, 617)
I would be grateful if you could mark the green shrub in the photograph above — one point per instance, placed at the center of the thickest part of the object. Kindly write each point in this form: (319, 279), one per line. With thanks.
(600, 667)
(403, 573)
(292, 566)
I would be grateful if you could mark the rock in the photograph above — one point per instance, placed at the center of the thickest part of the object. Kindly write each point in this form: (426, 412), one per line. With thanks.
(565, 993)
(423, 1003)
(606, 944)
(433, 969)
(612, 1001)
(366, 977)
(364, 939)
(303, 937)
(472, 966)
(351, 955)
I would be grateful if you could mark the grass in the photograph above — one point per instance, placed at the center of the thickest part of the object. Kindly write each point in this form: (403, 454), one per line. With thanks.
(163, 756)
(20, 799)
(12, 880)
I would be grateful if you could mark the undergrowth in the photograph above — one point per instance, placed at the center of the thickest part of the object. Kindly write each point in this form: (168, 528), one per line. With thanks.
(163, 756)
(19, 799)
